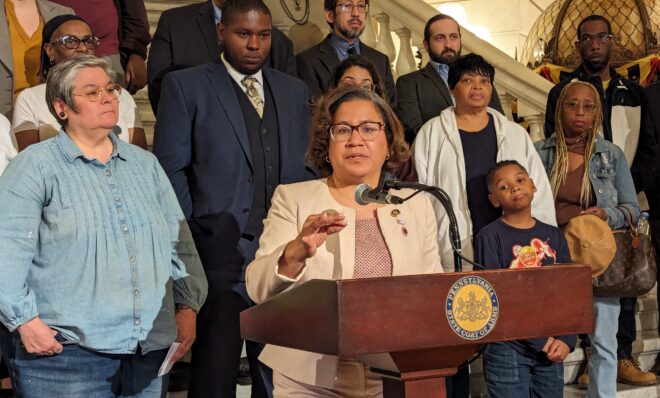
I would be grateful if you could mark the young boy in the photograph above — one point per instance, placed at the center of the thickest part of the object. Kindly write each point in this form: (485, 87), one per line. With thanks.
(524, 368)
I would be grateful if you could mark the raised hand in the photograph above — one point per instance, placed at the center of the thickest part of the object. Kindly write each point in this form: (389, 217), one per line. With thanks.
(316, 228)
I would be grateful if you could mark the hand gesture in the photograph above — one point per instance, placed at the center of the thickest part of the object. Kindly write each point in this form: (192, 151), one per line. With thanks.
(316, 229)
(38, 338)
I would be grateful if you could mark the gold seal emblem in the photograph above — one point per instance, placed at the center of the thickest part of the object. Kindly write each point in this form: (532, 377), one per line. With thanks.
(472, 307)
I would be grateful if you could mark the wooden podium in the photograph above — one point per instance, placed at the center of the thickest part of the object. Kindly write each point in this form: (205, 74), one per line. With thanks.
(417, 329)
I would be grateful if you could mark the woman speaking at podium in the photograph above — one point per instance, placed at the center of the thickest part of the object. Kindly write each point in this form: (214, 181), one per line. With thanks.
(317, 230)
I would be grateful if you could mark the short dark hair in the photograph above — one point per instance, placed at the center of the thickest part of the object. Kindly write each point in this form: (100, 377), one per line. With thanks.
(490, 177)
(435, 18)
(470, 63)
(323, 116)
(592, 18)
(231, 8)
(359, 62)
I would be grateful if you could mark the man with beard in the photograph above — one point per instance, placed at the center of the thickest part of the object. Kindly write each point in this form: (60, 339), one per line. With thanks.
(626, 123)
(228, 132)
(347, 20)
(423, 94)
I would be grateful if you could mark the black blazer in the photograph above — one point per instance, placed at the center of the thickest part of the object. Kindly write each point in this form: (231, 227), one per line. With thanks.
(317, 64)
(202, 143)
(186, 36)
(422, 95)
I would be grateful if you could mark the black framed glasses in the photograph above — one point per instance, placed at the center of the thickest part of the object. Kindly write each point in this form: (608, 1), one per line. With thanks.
(341, 132)
(349, 7)
(602, 38)
(72, 42)
(95, 93)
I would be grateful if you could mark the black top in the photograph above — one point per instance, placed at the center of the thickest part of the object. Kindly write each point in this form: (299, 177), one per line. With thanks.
(264, 145)
(480, 154)
(501, 246)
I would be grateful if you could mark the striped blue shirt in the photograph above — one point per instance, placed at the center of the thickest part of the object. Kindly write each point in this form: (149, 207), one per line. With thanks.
(100, 252)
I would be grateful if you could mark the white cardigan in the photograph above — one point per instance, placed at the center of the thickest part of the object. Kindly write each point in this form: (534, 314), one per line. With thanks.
(438, 157)
(409, 233)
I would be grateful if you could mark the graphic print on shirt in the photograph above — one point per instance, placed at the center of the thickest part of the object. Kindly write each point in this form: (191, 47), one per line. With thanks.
(532, 255)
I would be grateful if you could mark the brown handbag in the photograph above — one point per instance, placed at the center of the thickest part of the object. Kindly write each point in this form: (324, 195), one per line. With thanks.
(632, 272)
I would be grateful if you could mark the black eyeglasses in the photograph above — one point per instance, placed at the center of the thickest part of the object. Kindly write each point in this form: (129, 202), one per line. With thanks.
(602, 38)
(72, 42)
(341, 132)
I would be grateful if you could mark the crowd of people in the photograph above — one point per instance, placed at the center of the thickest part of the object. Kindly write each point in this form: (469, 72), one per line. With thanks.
(112, 255)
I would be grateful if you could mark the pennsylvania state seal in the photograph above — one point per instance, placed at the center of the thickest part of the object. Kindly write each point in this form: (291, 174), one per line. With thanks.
(472, 307)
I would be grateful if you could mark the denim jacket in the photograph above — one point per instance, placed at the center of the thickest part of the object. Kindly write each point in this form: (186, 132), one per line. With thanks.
(609, 175)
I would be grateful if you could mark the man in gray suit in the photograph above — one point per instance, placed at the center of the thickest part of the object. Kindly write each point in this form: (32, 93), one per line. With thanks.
(423, 94)
(47, 10)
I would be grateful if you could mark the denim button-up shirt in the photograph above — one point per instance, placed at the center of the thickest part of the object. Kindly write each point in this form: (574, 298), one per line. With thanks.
(609, 175)
(100, 252)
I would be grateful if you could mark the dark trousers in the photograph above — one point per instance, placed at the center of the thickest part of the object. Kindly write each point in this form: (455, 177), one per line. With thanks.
(217, 350)
(458, 385)
(655, 238)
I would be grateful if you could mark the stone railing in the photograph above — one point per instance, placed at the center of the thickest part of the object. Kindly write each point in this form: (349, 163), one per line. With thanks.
(404, 22)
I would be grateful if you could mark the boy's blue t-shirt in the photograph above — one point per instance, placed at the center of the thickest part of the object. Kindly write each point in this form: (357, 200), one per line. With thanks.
(501, 246)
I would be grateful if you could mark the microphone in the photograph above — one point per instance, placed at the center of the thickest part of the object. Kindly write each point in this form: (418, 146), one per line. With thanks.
(364, 194)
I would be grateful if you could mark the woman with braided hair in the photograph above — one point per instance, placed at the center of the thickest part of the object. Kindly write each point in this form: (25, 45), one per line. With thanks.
(590, 175)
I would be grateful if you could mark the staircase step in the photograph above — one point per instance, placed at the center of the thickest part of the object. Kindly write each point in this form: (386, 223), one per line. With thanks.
(622, 391)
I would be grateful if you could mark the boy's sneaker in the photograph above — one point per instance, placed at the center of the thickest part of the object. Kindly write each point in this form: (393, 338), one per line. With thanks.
(628, 371)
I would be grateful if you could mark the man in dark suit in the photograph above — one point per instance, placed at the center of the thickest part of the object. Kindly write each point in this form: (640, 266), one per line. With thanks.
(186, 36)
(423, 94)
(347, 20)
(228, 132)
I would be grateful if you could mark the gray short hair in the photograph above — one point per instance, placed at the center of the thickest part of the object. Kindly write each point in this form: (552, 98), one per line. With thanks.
(59, 82)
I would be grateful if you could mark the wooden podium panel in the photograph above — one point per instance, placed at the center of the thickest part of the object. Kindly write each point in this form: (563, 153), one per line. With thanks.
(406, 317)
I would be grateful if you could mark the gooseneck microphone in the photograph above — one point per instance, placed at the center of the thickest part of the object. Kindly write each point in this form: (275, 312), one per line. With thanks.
(364, 194)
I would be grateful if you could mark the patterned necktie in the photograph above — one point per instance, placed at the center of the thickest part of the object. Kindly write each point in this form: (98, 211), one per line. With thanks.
(253, 94)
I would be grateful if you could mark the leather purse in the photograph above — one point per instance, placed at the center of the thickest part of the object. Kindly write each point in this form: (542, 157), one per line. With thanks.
(632, 272)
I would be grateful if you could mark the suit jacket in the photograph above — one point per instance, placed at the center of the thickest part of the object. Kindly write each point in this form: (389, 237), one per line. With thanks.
(413, 253)
(317, 64)
(48, 10)
(202, 143)
(134, 34)
(186, 36)
(422, 95)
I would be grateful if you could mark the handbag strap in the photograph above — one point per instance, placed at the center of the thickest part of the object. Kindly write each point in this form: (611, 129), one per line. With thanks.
(628, 215)
(633, 228)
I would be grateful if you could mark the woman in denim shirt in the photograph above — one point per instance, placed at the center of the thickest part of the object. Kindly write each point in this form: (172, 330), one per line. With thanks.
(590, 175)
(99, 275)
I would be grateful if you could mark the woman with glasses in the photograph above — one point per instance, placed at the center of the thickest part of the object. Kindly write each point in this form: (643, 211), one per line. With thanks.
(100, 275)
(22, 20)
(356, 71)
(317, 230)
(590, 175)
(64, 37)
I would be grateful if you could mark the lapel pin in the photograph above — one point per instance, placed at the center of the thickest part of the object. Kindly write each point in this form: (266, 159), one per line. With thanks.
(395, 212)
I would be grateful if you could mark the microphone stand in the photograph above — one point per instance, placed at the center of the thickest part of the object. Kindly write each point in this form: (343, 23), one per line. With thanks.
(443, 198)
